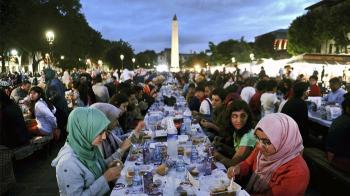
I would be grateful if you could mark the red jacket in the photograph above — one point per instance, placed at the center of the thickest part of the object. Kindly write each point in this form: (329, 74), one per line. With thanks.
(290, 179)
(315, 91)
(255, 103)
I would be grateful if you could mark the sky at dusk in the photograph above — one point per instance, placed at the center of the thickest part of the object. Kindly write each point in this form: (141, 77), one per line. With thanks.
(146, 24)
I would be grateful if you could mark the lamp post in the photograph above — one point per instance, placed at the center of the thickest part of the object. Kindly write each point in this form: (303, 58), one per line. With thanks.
(122, 58)
(50, 37)
(133, 63)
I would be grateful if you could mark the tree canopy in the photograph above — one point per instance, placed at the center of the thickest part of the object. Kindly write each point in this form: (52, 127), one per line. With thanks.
(23, 24)
(307, 32)
(223, 52)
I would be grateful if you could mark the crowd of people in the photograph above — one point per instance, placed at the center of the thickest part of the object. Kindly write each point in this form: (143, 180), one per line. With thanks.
(258, 125)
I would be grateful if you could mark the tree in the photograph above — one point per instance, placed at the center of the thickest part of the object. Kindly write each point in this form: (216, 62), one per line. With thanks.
(197, 59)
(225, 50)
(115, 49)
(302, 35)
(309, 31)
(145, 57)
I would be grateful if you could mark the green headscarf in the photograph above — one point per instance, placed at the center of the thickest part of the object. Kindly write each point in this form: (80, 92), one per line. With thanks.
(84, 125)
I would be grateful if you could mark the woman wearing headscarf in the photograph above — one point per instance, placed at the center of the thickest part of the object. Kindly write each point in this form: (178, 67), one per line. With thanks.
(80, 167)
(277, 165)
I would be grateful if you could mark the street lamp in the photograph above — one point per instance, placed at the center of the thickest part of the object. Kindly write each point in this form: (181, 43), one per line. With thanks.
(62, 57)
(50, 37)
(233, 59)
(122, 58)
(99, 62)
(133, 62)
(14, 52)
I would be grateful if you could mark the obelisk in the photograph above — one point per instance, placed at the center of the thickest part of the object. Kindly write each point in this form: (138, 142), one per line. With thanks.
(175, 46)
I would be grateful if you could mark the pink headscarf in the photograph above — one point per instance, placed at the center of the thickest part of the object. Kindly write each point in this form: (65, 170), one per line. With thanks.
(284, 135)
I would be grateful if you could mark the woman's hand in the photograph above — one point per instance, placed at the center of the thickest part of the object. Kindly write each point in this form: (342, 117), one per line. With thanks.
(206, 124)
(233, 171)
(112, 173)
(125, 145)
(116, 163)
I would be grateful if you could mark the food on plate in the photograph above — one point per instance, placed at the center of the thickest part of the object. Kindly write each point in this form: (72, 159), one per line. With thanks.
(194, 172)
(162, 169)
(181, 150)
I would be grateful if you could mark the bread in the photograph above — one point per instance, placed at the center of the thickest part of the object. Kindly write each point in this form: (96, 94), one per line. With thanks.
(162, 169)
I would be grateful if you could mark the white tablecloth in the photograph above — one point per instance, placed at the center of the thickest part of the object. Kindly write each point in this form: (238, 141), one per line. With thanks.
(315, 117)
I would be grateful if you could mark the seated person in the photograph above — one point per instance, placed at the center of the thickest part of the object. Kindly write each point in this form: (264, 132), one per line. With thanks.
(13, 130)
(255, 103)
(276, 163)
(315, 91)
(80, 167)
(217, 125)
(20, 92)
(205, 109)
(269, 100)
(336, 94)
(113, 147)
(338, 138)
(296, 108)
(43, 111)
(192, 100)
(240, 121)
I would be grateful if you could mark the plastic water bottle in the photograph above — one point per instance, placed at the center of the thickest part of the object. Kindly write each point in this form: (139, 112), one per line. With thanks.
(146, 154)
(137, 180)
(172, 139)
(194, 154)
(207, 165)
(180, 167)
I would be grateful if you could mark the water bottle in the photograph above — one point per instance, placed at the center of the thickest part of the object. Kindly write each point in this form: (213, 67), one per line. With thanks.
(137, 180)
(187, 116)
(172, 139)
(146, 154)
(328, 113)
(180, 167)
(207, 165)
(194, 154)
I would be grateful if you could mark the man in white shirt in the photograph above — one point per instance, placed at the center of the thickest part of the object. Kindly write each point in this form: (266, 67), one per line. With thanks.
(127, 75)
(269, 101)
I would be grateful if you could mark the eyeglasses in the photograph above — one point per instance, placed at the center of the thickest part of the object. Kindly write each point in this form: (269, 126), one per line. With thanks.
(264, 141)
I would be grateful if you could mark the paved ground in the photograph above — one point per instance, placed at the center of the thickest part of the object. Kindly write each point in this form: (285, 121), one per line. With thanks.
(35, 176)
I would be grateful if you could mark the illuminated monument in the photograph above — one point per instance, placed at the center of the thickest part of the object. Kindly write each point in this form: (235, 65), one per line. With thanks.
(174, 66)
